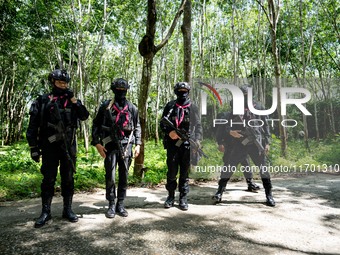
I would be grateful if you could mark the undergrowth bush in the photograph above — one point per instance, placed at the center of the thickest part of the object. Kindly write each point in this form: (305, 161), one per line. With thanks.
(20, 176)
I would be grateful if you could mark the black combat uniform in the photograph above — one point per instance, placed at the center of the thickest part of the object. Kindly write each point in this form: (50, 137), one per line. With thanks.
(184, 116)
(51, 133)
(240, 148)
(117, 127)
(222, 138)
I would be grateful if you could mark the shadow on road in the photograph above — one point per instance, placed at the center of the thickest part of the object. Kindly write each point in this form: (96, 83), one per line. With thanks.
(307, 210)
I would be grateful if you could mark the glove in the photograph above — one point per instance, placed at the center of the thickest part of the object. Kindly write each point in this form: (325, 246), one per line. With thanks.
(35, 154)
(69, 93)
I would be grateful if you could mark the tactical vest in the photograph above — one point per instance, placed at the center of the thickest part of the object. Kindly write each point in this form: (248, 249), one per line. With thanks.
(51, 109)
(179, 115)
(124, 117)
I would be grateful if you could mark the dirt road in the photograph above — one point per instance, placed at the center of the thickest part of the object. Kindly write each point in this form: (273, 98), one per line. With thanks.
(306, 220)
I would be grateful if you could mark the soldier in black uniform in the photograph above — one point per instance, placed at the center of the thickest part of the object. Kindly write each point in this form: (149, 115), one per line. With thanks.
(51, 133)
(185, 116)
(239, 151)
(225, 145)
(115, 129)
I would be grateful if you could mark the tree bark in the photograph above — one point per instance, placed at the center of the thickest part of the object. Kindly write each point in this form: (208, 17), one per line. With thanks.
(186, 31)
(303, 60)
(201, 39)
(316, 122)
(235, 80)
(148, 50)
(273, 18)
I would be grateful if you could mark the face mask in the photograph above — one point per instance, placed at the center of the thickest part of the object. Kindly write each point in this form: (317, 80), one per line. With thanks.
(182, 96)
(120, 93)
(120, 96)
(58, 91)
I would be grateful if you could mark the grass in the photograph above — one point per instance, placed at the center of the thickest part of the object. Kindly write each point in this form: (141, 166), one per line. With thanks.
(20, 176)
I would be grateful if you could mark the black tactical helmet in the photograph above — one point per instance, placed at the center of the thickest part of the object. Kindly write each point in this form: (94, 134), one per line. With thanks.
(119, 83)
(181, 85)
(60, 75)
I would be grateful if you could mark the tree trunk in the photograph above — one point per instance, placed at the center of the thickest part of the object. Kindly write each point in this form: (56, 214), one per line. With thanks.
(148, 50)
(273, 18)
(186, 30)
(2, 119)
(156, 111)
(331, 118)
(234, 44)
(201, 39)
(305, 124)
(142, 107)
(258, 60)
(316, 122)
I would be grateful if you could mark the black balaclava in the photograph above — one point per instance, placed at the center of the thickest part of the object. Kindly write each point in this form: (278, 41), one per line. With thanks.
(182, 97)
(58, 91)
(120, 96)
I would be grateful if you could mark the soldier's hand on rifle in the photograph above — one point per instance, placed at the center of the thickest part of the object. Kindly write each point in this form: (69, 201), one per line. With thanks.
(137, 151)
(101, 149)
(35, 154)
(266, 149)
(173, 135)
(221, 148)
(236, 133)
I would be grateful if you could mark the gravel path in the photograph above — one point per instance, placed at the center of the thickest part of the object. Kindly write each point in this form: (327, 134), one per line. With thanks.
(306, 220)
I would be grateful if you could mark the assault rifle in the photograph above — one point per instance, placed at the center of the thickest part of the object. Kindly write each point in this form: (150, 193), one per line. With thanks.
(61, 135)
(250, 135)
(184, 136)
(116, 137)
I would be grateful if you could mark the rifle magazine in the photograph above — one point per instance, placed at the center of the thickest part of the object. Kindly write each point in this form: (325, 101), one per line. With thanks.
(245, 141)
(179, 143)
(52, 138)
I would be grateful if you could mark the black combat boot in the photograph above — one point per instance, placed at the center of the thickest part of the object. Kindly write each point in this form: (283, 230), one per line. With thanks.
(111, 212)
(252, 186)
(268, 190)
(222, 183)
(67, 212)
(120, 208)
(170, 200)
(183, 201)
(45, 213)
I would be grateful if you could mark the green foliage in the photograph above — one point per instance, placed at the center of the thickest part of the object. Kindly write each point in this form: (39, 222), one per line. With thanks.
(20, 177)
(329, 151)
(321, 153)
(38, 35)
(155, 163)
(202, 171)
(90, 170)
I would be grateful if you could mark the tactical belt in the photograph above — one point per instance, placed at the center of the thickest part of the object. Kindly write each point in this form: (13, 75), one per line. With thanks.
(56, 137)
(108, 139)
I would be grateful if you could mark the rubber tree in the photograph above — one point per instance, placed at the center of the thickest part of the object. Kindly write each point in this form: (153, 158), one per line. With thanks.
(148, 50)
(273, 13)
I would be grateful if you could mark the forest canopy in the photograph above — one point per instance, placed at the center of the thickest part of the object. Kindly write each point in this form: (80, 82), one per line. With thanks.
(232, 42)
